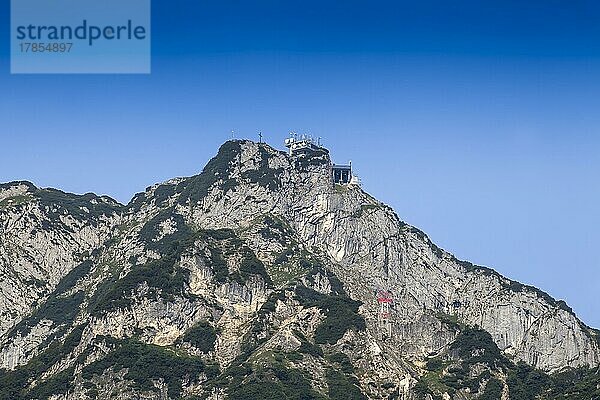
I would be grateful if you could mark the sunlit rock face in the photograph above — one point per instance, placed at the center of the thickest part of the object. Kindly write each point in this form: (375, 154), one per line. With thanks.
(259, 270)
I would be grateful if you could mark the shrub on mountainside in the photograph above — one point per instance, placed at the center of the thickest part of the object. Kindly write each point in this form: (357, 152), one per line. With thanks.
(202, 336)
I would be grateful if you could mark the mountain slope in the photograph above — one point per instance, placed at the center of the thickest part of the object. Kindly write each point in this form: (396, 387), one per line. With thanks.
(44, 234)
(257, 279)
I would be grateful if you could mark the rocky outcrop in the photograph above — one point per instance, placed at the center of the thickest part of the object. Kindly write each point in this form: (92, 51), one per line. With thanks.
(44, 234)
(371, 248)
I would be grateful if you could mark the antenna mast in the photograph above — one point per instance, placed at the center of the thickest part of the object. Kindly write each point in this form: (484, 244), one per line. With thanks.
(385, 300)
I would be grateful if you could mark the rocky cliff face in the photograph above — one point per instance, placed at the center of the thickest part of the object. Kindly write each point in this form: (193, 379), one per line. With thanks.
(258, 279)
(43, 235)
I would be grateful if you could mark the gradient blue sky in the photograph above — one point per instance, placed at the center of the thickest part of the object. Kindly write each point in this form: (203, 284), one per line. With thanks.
(479, 122)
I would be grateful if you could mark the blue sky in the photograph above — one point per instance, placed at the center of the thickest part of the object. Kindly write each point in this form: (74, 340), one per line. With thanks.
(479, 123)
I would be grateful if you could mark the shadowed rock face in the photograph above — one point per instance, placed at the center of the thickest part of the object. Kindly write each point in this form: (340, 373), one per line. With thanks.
(257, 279)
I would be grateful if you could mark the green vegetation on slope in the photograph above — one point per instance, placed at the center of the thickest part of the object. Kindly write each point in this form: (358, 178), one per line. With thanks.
(164, 281)
(223, 244)
(14, 384)
(88, 207)
(15, 201)
(341, 314)
(202, 336)
(343, 387)
(180, 232)
(264, 175)
(146, 363)
(474, 348)
(218, 168)
(273, 382)
(291, 263)
(163, 276)
(195, 188)
(71, 279)
(525, 382)
(61, 310)
(493, 390)
(477, 346)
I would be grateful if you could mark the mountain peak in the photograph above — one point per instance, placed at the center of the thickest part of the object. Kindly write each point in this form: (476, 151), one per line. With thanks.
(13, 192)
(262, 277)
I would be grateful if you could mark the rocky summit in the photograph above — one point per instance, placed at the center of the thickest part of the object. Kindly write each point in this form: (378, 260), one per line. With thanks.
(261, 278)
